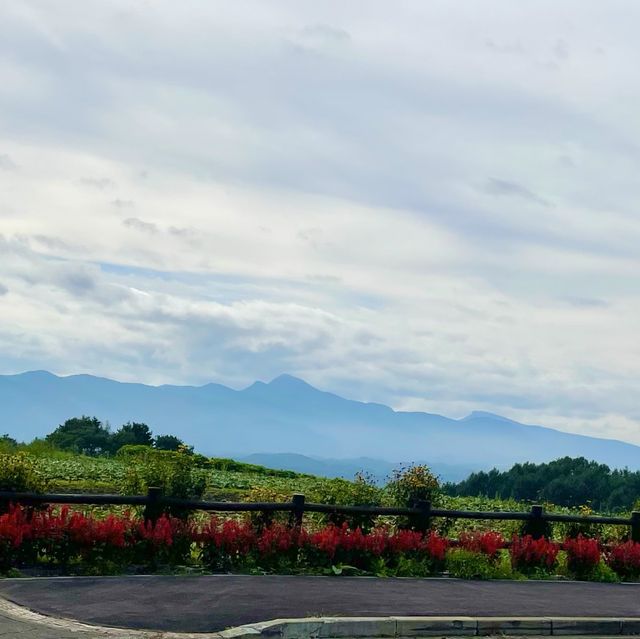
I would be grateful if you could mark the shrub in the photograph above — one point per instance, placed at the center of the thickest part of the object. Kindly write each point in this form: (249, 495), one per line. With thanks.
(413, 484)
(604, 574)
(265, 518)
(410, 486)
(362, 491)
(624, 559)
(7, 444)
(486, 542)
(176, 474)
(130, 452)
(466, 564)
(583, 555)
(19, 472)
(533, 556)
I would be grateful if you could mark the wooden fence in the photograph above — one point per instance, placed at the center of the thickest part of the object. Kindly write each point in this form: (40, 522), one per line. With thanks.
(155, 503)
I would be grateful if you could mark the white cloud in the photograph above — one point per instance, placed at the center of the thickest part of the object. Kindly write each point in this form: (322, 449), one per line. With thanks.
(427, 207)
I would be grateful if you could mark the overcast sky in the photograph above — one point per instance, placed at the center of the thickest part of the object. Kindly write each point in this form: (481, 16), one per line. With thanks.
(430, 204)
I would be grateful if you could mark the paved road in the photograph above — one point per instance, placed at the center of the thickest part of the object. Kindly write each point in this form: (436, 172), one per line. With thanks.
(210, 603)
(12, 629)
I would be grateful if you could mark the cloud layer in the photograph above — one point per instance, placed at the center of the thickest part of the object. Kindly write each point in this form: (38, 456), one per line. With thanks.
(431, 208)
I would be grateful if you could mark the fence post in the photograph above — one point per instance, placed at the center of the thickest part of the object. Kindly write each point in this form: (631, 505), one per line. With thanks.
(153, 509)
(422, 522)
(536, 524)
(635, 526)
(298, 509)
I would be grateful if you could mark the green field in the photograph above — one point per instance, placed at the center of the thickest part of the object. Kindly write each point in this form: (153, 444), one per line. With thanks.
(66, 472)
(80, 473)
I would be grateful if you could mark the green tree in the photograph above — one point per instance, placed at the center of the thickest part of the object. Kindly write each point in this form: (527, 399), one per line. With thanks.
(566, 482)
(84, 435)
(131, 434)
(7, 443)
(168, 442)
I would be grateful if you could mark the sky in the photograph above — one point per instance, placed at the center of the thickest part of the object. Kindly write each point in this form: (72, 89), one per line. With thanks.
(428, 204)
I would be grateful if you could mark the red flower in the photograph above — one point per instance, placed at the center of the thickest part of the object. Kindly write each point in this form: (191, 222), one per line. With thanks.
(436, 546)
(488, 543)
(583, 555)
(230, 537)
(625, 559)
(14, 527)
(528, 554)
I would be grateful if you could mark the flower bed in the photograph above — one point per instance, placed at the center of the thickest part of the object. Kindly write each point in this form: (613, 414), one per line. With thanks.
(72, 541)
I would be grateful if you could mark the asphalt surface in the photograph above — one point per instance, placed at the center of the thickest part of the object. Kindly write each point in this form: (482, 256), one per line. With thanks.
(211, 603)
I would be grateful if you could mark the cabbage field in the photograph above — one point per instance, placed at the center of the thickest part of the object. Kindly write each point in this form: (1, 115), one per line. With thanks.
(79, 473)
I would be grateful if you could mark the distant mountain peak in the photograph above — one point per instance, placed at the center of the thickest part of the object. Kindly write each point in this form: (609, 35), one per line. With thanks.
(35, 374)
(483, 414)
(287, 381)
(289, 414)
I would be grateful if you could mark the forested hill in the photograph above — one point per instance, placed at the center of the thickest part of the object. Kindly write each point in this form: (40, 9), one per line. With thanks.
(567, 481)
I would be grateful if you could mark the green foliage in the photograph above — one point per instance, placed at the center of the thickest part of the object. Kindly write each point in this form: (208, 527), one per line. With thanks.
(603, 574)
(88, 436)
(168, 442)
(134, 451)
(84, 435)
(466, 564)
(573, 530)
(19, 473)
(42, 448)
(413, 484)
(7, 444)
(412, 567)
(362, 491)
(566, 482)
(131, 434)
(176, 474)
(233, 466)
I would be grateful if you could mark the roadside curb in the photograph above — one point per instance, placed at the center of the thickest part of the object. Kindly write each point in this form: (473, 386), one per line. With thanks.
(406, 627)
(357, 627)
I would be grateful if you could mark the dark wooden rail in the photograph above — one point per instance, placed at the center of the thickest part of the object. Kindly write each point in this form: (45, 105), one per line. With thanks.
(154, 503)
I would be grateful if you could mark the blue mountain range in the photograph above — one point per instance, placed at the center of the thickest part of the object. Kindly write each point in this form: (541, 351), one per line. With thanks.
(288, 423)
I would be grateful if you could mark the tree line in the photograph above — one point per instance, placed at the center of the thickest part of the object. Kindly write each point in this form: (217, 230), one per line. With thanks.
(89, 436)
(566, 482)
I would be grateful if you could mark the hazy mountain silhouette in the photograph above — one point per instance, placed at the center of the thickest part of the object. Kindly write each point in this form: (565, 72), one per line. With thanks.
(379, 469)
(287, 415)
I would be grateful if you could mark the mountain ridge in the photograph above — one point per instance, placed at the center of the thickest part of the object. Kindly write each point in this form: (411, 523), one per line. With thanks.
(288, 414)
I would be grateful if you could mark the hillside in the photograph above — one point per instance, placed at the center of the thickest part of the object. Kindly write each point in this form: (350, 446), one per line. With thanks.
(288, 415)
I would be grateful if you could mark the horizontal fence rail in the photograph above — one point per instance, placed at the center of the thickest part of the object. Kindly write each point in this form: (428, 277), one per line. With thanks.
(155, 502)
